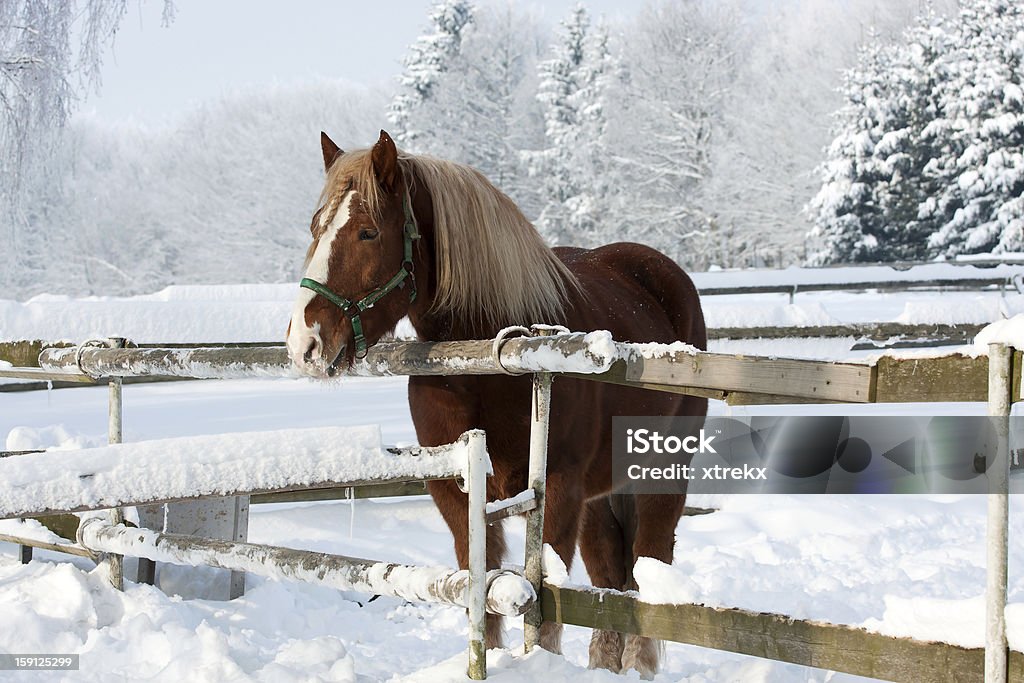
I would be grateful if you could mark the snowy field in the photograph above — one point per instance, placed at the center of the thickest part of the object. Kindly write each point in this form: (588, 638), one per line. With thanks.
(912, 566)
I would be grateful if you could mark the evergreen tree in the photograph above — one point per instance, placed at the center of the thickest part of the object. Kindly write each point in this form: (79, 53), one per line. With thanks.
(981, 204)
(929, 154)
(879, 169)
(574, 164)
(429, 58)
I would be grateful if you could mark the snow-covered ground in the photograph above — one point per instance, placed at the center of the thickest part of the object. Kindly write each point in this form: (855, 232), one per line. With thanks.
(911, 565)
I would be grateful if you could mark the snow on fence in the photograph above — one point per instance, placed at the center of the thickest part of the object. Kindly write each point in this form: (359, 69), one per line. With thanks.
(881, 277)
(682, 369)
(184, 468)
(144, 473)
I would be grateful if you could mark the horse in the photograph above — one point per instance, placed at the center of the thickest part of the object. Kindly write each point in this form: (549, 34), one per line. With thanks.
(401, 235)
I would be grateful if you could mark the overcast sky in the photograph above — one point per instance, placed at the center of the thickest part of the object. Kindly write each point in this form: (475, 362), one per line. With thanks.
(216, 46)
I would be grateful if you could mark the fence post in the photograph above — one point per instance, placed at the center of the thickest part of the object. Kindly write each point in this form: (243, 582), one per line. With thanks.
(115, 563)
(477, 485)
(1000, 401)
(540, 414)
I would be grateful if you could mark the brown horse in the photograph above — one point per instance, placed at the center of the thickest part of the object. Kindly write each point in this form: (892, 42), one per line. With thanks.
(403, 235)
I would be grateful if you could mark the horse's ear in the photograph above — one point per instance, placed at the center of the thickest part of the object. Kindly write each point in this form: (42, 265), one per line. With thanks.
(330, 150)
(385, 161)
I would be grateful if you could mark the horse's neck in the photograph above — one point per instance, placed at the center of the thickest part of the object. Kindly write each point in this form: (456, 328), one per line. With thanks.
(434, 326)
(431, 325)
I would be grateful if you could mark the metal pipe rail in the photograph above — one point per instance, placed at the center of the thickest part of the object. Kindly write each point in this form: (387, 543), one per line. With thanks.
(517, 355)
(508, 593)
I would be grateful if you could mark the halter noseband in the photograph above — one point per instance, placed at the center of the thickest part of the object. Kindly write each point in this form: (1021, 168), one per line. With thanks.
(352, 309)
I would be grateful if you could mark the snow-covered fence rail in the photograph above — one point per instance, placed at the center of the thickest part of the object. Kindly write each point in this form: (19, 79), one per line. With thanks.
(880, 277)
(507, 594)
(144, 473)
(738, 379)
(168, 470)
(866, 335)
(772, 636)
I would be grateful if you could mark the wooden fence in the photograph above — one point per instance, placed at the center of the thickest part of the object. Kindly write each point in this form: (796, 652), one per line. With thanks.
(733, 378)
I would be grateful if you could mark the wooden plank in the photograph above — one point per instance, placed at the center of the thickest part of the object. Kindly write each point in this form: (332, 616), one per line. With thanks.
(771, 636)
(404, 488)
(952, 378)
(24, 353)
(46, 375)
(819, 380)
(959, 284)
(875, 331)
(519, 508)
(617, 375)
(66, 548)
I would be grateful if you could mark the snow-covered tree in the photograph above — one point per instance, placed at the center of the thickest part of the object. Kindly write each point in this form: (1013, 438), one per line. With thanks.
(481, 109)
(928, 154)
(981, 204)
(877, 174)
(679, 58)
(50, 55)
(138, 209)
(429, 58)
(575, 165)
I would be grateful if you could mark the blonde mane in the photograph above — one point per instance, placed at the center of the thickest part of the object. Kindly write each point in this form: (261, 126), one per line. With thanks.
(492, 266)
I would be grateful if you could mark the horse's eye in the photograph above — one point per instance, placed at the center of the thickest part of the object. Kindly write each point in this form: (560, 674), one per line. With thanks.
(368, 234)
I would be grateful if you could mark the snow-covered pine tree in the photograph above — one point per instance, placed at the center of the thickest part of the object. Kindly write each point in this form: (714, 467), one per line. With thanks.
(879, 168)
(483, 111)
(575, 164)
(429, 58)
(981, 206)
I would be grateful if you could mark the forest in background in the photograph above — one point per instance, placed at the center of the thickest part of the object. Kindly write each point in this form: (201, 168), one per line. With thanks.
(700, 128)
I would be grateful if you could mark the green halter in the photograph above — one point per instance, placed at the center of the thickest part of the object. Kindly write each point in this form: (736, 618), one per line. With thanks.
(353, 308)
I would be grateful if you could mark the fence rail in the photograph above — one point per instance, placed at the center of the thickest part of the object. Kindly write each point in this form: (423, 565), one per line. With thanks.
(772, 636)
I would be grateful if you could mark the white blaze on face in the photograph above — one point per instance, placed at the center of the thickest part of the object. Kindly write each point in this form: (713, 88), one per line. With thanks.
(302, 336)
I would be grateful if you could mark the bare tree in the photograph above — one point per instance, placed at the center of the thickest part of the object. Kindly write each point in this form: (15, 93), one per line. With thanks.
(51, 52)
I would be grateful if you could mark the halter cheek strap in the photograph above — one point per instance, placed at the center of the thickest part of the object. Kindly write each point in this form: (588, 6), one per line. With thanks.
(353, 309)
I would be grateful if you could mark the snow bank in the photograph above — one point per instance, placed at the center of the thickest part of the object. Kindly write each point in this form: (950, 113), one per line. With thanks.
(260, 313)
(840, 275)
(1009, 331)
(195, 466)
(196, 314)
(803, 314)
(897, 571)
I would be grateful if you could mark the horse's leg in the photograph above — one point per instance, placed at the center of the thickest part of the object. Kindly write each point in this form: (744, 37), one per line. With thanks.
(563, 501)
(454, 507)
(603, 548)
(657, 517)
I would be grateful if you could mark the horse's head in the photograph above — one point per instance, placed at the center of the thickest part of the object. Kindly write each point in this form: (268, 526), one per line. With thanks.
(358, 281)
